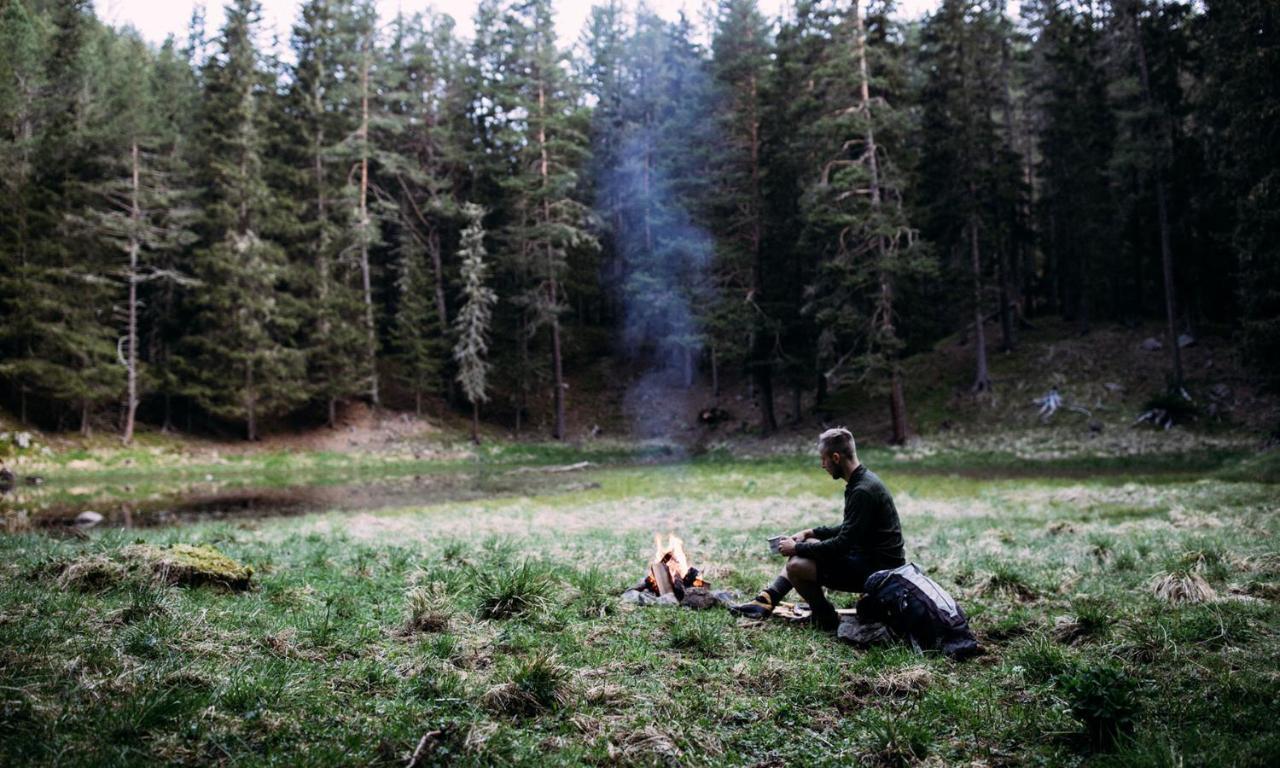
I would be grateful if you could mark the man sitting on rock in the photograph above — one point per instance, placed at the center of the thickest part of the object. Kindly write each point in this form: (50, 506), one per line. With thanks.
(837, 557)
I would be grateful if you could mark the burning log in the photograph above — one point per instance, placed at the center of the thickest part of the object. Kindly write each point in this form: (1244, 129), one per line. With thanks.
(662, 578)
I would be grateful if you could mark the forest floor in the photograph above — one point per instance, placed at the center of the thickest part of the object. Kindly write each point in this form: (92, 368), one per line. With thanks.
(493, 627)
(615, 410)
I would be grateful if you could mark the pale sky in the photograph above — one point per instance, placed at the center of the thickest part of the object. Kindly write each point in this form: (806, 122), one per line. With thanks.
(156, 19)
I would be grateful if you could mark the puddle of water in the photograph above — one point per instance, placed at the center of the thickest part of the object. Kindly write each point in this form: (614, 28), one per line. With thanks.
(58, 505)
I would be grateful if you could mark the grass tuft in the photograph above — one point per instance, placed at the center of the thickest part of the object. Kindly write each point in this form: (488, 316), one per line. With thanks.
(506, 591)
(427, 608)
(1182, 586)
(896, 741)
(594, 597)
(537, 685)
(696, 631)
(1041, 659)
(1006, 580)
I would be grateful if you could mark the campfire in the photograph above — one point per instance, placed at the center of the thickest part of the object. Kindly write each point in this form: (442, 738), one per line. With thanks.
(671, 580)
(670, 572)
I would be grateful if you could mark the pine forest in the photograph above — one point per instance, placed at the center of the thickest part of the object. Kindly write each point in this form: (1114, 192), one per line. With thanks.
(223, 236)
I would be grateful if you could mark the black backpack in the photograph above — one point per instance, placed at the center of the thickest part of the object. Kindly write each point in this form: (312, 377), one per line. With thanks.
(917, 609)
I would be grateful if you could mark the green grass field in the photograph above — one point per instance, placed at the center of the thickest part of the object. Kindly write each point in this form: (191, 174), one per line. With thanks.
(493, 627)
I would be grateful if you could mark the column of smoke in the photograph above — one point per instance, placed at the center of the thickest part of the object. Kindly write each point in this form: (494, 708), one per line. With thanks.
(666, 259)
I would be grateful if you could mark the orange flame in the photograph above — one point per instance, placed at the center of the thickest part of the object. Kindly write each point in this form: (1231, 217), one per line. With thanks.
(673, 556)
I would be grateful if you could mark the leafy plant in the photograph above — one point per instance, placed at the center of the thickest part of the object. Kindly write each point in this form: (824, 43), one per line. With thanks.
(1104, 698)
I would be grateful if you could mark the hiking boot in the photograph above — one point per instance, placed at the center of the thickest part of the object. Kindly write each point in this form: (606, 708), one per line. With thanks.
(759, 608)
(824, 618)
(825, 621)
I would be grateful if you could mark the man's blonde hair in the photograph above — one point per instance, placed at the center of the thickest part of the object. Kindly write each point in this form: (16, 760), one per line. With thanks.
(838, 440)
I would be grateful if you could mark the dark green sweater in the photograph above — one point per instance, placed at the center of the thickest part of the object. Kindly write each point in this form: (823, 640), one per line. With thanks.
(870, 527)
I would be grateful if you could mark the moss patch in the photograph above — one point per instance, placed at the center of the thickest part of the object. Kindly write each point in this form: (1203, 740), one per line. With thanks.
(193, 566)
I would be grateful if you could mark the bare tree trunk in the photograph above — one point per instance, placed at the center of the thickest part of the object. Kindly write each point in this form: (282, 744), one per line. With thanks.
(1165, 144)
(371, 330)
(475, 422)
(251, 403)
(442, 311)
(131, 366)
(322, 243)
(1007, 340)
(558, 431)
(981, 381)
(715, 373)
(897, 406)
(86, 428)
(884, 311)
(522, 347)
(760, 350)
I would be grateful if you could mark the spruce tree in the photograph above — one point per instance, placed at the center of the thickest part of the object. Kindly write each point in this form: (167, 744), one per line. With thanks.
(419, 166)
(1146, 147)
(740, 51)
(62, 293)
(548, 220)
(241, 357)
(319, 106)
(137, 209)
(472, 323)
(1075, 209)
(176, 98)
(602, 73)
(858, 199)
(664, 255)
(968, 172)
(1241, 98)
(24, 36)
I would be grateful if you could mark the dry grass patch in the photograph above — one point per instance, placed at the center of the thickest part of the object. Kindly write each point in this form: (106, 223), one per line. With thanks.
(646, 745)
(92, 573)
(427, 608)
(1181, 587)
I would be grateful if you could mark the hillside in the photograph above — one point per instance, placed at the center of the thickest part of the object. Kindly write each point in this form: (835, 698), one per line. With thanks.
(1107, 373)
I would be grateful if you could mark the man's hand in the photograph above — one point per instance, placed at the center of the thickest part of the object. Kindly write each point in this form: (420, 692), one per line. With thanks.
(801, 536)
(787, 546)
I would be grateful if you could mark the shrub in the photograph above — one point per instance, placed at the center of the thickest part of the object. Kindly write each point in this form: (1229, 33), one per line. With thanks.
(1104, 698)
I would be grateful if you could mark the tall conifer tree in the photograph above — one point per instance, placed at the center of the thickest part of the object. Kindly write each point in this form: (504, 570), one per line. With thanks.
(472, 324)
(242, 357)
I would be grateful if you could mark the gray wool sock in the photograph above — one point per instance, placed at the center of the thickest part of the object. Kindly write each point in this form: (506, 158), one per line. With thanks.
(778, 589)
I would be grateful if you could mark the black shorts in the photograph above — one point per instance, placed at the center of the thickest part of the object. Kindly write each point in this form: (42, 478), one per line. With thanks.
(848, 573)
